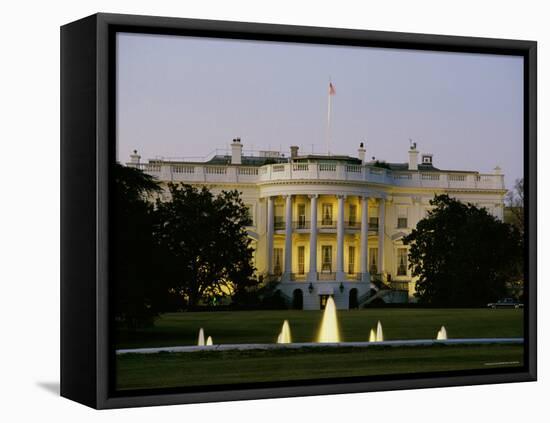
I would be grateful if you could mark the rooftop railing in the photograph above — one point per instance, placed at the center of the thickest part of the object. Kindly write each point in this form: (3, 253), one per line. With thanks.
(185, 172)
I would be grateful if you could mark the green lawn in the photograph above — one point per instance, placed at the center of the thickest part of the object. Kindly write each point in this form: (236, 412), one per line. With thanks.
(164, 370)
(263, 326)
(160, 370)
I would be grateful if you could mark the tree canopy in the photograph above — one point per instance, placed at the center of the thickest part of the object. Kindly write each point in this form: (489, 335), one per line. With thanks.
(138, 294)
(515, 205)
(462, 255)
(189, 248)
(203, 242)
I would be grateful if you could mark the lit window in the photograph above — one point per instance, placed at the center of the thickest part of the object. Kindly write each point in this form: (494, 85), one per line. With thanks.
(373, 223)
(326, 251)
(301, 216)
(352, 215)
(277, 261)
(301, 257)
(327, 214)
(373, 260)
(351, 260)
(401, 261)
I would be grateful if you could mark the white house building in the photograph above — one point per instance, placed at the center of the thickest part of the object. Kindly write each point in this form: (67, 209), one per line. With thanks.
(333, 225)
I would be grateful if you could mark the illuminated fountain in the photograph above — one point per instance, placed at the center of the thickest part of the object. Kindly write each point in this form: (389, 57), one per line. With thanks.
(379, 332)
(209, 341)
(200, 343)
(284, 336)
(329, 325)
(442, 334)
(372, 336)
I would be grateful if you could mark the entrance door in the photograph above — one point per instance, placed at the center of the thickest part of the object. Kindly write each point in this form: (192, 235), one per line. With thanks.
(323, 301)
(353, 298)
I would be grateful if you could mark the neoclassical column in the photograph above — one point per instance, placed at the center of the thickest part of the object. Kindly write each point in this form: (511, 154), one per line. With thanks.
(313, 238)
(381, 220)
(270, 229)
(288, 237)
(364, 237)
(340, 239)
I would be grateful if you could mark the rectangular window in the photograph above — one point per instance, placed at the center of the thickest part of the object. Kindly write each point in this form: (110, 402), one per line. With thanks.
(250, 211)
(352, 215)
(326, 252)
(301, 260)
(373, 260)
(402, 222)
(277, 261)
(301, 216)
(401, 261)
(373, 223)
(326, 218)
(351, 260)
(278, 217)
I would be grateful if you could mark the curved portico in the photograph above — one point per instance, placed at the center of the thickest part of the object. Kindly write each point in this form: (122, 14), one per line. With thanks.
(318, 240)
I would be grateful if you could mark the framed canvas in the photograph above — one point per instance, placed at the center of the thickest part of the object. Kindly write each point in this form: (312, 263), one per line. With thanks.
(259, 211)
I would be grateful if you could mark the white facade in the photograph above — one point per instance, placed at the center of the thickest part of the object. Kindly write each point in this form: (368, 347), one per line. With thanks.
(346, 218)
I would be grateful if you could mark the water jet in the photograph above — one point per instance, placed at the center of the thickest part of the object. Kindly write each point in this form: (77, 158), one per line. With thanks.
(372, 336)
(284, 336)
(379, 332)
(442, 334)
(329, 325)
(200, 342)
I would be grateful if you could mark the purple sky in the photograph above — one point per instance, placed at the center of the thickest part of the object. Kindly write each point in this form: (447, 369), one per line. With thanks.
(183, 97)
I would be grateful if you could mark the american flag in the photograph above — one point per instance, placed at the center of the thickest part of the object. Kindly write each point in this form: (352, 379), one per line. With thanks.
(331, 89)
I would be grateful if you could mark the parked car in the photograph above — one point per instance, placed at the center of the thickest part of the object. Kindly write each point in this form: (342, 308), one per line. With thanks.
(506, 303)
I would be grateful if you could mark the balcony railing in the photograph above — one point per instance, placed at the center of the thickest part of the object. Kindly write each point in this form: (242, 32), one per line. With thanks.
(373, 227)
(301, 224)
(190, 172)
(400, 285)
(298, 276)
(327, 224)
(352, 224)
(326, 276)
(279, 224)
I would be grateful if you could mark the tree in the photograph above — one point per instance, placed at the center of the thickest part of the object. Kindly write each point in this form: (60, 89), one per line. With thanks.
(462, 255)
(203, 243)
(515, 206)
(138, 295)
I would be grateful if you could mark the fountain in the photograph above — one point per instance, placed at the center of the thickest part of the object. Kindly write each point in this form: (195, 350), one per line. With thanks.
(284, 337)
(442, 334)
(329, 325)
(372, 336)
(200, 343)
(209, 341)
(379, 332)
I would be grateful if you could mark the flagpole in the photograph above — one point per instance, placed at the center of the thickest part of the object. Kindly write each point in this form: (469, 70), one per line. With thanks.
(328, 120)
(331, 92)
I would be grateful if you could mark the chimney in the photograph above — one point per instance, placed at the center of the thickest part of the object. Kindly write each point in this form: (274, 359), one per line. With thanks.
(427, 159)
(236, 151)
(362, 153)
(413, 157)
(293, 151)
(135, 158)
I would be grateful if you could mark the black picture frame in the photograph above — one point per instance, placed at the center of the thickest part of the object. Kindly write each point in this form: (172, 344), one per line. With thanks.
(87, 146)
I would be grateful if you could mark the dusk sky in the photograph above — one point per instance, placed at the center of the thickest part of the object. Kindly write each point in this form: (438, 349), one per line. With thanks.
(185, 97)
